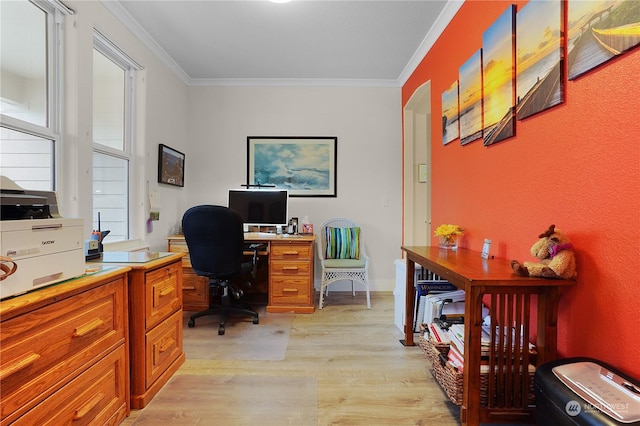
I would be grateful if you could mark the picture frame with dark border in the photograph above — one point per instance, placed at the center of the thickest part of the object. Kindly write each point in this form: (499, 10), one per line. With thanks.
(306, 166)
(170, 166)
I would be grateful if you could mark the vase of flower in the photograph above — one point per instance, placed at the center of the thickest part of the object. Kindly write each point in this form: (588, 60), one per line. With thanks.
(448, 242)
(448, 236)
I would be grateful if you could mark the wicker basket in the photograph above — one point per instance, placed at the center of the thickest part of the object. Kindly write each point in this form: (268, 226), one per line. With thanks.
(427, 344)
(451, 380)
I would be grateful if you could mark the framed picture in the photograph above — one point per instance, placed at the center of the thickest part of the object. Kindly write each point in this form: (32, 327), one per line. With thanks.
(539, 63)
(305, 166)
(470, 103)
(170, 166)
(450, 129)
(498, 75)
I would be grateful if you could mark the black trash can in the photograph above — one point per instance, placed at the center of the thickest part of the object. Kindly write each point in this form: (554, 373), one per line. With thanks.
(584, 391)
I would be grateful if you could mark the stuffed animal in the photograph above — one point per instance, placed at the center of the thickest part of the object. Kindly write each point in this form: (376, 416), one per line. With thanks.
(556, 255)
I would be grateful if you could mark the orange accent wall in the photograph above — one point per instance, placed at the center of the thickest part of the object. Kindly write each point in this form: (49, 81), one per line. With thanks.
(576, 165)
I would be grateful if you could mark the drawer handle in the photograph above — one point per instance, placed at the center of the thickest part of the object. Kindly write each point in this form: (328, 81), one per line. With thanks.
(86, 408)
(191, 287)
(166, 345)
(19, 364)
(87, 328)
(165, 291)
(289, 290)
(291, 253)
(290, 268)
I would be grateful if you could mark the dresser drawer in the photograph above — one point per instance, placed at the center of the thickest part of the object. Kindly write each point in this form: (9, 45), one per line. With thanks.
(280, 267)
(97, 396)
(163, 346)
(290, 290)
(161, 293)
(291, 251)
(46, 347)
(195, 289)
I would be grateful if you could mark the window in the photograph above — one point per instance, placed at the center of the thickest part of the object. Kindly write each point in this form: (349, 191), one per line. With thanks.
(113, 126)
(30, 85)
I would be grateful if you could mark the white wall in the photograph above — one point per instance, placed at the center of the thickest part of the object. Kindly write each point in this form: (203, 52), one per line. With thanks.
(367, 123)
(211, 124)
(161, 112)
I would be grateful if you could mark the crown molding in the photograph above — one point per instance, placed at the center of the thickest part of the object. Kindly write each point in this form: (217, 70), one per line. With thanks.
(448, 12)
(440, 24)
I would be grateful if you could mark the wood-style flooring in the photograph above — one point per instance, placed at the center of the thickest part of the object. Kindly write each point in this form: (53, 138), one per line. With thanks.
(344, 365)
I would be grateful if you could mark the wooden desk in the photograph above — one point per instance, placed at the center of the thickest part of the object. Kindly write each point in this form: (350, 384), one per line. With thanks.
(291, 273)
(64, 352)
(510, 298)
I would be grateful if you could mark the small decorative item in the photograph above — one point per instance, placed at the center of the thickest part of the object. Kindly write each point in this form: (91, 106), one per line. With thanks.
(554, 254)
(448, 236)
(485, 248)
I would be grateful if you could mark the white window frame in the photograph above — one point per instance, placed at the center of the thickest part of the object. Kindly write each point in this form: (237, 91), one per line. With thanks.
(55, 12)
(111, 51)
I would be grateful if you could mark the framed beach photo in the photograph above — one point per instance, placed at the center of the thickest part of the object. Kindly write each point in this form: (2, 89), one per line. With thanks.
(498, 75)
(170, 166)
(539, 62)
(305, 166)
(470, 101)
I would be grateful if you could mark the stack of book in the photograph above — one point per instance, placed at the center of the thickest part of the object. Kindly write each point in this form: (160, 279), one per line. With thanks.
(456, 350)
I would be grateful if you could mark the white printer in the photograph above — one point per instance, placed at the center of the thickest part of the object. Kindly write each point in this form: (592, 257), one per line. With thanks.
(45, 247)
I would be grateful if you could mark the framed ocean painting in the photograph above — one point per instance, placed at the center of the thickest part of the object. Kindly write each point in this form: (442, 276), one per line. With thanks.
(470, 98)
(305, 166)
(450, 129)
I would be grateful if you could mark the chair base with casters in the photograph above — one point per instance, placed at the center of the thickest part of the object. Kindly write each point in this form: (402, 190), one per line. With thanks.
(333, 270)
(224, 308)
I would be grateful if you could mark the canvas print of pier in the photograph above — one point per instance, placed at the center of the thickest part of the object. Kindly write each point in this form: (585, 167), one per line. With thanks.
(498, 72)
(539, 65)
(470, 89)
(450, 113)
(600, 30)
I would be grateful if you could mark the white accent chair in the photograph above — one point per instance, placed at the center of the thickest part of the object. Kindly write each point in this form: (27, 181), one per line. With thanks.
(333, 270)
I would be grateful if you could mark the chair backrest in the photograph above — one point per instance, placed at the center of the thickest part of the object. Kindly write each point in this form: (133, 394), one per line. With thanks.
(215, 239)
(338, 222)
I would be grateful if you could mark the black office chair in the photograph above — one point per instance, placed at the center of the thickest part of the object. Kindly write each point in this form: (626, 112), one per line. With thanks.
(215, 239)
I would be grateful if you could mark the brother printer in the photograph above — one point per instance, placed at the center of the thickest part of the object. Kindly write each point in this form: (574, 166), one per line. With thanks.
(45, 247)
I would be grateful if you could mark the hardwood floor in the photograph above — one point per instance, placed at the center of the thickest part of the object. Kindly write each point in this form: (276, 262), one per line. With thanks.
(346, 357)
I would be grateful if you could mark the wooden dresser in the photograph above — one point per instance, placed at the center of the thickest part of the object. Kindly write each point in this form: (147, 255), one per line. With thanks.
(291, 275)
(63, 352)
(155, 320)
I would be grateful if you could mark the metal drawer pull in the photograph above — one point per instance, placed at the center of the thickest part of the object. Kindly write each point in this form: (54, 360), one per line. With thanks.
(289, 290)
(165, 291)
(189, 287)
(166, 345)
(93, 402)
(19, 364)
(87, 328)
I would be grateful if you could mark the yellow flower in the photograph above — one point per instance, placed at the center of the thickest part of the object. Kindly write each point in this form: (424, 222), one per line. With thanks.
(447, 231)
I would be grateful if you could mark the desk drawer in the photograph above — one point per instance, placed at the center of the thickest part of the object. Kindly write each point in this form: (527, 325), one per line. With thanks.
(195, 290)
(161, 292)
(44, 347)
(279, 267)
(97, 396)
(163, 346)
(290, 290)
(291, 251)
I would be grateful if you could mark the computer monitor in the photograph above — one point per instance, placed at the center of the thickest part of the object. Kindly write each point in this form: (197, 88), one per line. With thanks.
(260, 207)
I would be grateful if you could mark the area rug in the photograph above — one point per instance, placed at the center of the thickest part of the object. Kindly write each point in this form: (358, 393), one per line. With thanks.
(243, 340)
(233, 400)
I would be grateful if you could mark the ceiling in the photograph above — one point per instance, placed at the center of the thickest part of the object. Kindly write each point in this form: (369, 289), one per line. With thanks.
(304, 42)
